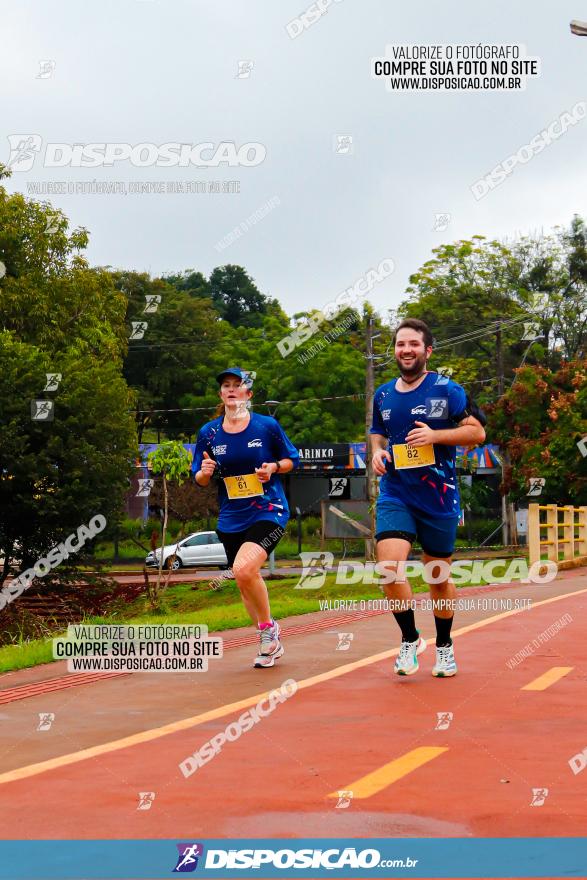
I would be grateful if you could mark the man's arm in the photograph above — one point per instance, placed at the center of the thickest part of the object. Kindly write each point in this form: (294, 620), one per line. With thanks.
(470, 432)
(379, 453)
(480, 435)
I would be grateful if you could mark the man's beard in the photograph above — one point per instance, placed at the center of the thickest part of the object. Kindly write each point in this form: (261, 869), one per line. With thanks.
(414, 369)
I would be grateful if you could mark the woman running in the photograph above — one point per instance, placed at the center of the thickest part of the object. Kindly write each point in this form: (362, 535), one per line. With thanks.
(248, 451)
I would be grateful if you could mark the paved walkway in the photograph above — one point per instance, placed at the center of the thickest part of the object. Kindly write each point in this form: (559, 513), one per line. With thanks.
(422, 756)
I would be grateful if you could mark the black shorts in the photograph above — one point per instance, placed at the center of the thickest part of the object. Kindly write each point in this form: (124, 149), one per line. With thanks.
(264, 532)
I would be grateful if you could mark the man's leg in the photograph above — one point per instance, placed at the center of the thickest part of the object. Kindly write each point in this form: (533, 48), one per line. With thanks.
(437, 536)
(391, 552)
(443, 594)
(395, 532)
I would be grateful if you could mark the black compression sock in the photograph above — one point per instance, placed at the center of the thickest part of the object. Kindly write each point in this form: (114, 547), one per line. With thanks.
(407, 624)
(443, 626)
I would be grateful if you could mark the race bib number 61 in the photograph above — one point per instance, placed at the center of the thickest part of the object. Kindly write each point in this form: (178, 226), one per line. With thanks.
(245, 486)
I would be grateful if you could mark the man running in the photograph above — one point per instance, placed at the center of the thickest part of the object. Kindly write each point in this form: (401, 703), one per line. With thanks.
(418, 420)
(248, 451)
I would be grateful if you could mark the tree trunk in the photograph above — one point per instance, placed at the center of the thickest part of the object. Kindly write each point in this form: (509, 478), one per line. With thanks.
(159, 573)
(6, 567)
(179, 537)
(141, 422)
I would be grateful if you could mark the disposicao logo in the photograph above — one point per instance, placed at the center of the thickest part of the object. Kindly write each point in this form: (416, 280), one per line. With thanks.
(187, 860)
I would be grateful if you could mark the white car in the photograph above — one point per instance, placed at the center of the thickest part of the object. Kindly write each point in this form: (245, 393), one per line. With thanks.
(199, 548)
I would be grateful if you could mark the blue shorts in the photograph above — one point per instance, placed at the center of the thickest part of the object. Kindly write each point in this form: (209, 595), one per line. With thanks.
(436, 535)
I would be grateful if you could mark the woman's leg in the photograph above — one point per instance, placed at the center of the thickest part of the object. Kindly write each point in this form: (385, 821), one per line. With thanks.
(247, 572)
(233, 542)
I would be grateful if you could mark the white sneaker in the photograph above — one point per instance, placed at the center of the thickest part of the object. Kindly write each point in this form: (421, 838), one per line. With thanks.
(445, 665)
(270, 648)
(406, 662)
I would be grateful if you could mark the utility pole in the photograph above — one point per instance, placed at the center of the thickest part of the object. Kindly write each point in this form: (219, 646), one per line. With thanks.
(371, 477)
(509, 531)
(511, 520)
(499, 359)
(505, 521)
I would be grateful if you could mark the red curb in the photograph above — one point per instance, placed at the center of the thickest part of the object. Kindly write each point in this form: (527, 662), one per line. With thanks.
(10, 695)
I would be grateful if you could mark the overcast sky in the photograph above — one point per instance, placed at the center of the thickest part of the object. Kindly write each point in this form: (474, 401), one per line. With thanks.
(160, 71)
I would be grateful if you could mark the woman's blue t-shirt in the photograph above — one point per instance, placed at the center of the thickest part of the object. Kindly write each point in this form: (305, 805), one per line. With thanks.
(236, 454)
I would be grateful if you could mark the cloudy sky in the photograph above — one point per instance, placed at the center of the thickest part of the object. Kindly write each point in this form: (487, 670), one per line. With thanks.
(161, 71)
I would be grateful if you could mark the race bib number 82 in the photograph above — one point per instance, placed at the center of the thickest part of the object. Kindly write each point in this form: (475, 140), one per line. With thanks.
(405, 456)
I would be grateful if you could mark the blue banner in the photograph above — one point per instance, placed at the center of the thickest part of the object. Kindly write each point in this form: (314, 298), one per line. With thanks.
(379, 857)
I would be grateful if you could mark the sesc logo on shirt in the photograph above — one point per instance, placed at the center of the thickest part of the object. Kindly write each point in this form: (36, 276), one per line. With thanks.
(256, 443)
(419, 411)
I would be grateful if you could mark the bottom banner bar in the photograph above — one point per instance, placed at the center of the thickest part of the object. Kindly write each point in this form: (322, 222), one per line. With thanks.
(551, 857)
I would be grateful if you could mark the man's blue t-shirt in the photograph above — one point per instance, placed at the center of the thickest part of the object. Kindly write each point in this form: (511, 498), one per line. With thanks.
(440, 403)
(237, 454)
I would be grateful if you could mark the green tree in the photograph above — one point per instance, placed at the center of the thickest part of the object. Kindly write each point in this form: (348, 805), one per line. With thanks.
(55, 475)
(469, 293)
(326, 366)
(238, 299)
(485, 300)
(49, 295)
(60, 317)
(330, 367)
(172, 460)
(539, 422)
(169, 365)
(191, 282)
(187, 501)
(553, 269)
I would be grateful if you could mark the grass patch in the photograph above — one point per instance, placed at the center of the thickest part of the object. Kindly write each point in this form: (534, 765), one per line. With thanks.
(218, 609)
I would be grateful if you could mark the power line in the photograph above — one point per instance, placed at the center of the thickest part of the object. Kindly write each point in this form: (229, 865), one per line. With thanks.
(150, 345)
(489, 330)
(486, 330)
(473, 334)
(355, 397)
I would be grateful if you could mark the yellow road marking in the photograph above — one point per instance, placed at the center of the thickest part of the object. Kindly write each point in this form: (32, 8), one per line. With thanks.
(379, 779)
(546, 679)
(195, 720)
